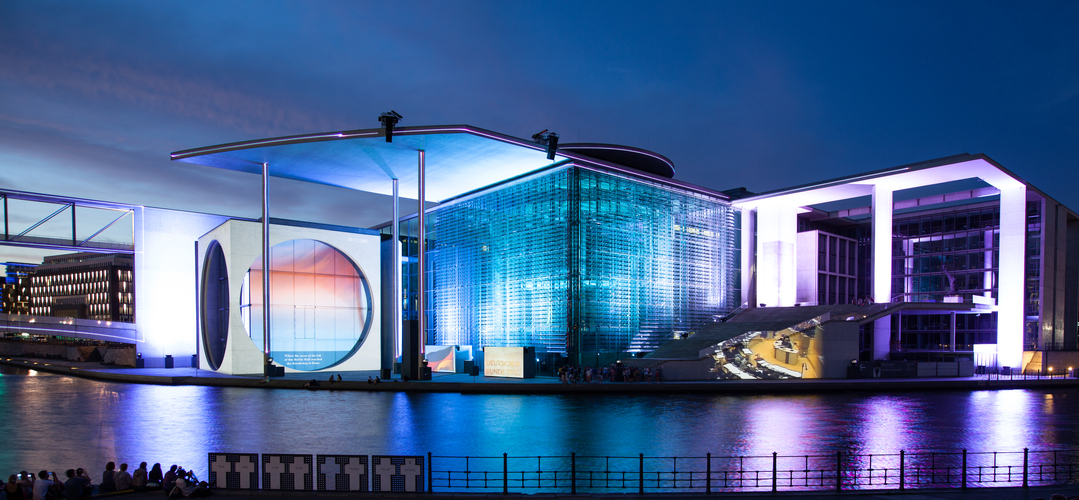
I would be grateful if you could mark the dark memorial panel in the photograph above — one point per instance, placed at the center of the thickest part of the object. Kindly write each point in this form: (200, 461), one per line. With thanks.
(234, 471)
(342, 473)
(287, 472)
(396, 473)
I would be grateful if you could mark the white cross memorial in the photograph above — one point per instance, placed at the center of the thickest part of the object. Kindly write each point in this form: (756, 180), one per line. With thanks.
(383, 472)
(411, 471)
(245, 467)
(221, 466)
(298, 468)
(330, 470)
(354, 469)
(275, 468)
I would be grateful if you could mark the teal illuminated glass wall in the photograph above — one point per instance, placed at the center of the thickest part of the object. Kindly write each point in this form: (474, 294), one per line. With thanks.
(575, 261)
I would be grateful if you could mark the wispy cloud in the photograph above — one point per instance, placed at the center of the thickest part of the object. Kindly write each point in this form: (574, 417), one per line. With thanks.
(155, 89)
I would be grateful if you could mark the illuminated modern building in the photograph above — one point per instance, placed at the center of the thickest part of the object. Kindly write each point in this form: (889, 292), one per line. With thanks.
(580, 263)
(16, 287)
(85, 285)
(578, 251)
(959, 232)
(595, 250)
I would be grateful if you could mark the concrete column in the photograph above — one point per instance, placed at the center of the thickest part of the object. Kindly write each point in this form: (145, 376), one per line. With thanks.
(266, 258)
(882, 267)
(951, 329)
(1010, 310)
(421, 258)
(777, 233)
(395, 283)
(749, 261)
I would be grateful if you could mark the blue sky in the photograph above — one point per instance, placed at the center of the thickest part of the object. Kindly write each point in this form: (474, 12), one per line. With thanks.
(756, 94)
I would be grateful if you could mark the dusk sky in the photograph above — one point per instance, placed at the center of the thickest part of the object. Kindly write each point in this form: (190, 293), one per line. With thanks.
(95, 95)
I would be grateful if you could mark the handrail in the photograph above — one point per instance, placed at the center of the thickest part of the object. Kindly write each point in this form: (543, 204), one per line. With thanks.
(771, 472)
(640, 474)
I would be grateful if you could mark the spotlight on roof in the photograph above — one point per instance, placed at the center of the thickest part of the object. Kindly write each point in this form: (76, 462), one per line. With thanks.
(549, 139)
(388, 121)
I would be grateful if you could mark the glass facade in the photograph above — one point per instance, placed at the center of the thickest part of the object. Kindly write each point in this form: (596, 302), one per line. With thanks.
(575, 262)
(946, 254)
(836, 267)
(942, 256)
(1033, 278)
(320, 309)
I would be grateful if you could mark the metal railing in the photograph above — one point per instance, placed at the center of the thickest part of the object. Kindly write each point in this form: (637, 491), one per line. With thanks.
(840, 471)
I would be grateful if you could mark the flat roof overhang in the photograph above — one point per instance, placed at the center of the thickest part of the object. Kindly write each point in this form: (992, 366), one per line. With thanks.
(458, 159)
(939, 171)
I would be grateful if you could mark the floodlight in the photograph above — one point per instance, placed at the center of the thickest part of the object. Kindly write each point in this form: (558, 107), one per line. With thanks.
(549, 139)
(388, 121)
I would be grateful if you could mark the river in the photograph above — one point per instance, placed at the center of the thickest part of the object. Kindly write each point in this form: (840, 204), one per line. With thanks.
(58, 422)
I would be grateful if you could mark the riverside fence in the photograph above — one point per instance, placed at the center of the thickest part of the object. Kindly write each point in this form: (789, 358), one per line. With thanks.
(575, 473)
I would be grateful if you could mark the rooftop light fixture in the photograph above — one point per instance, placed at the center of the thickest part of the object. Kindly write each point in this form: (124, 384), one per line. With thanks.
(549, 139)
(389, 120)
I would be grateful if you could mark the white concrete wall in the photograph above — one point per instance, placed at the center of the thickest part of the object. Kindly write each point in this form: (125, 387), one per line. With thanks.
(777, 231)
(241, 243)
(165, 315)
(807, 244)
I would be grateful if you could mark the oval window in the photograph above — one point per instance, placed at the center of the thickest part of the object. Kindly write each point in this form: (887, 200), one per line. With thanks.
(215, 305)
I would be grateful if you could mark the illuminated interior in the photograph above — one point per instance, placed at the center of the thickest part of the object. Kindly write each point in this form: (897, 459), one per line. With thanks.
(792, 353)
(321, 304)
(576, 261)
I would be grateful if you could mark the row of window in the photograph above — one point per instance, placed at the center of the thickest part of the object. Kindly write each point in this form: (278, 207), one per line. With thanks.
(946, 223)
(100, 275)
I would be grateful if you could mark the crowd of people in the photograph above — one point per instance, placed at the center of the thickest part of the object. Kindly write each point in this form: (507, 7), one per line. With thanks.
(616, 372)
(78, 484)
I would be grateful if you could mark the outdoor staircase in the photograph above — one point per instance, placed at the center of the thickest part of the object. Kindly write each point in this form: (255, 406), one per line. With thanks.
(649, 337)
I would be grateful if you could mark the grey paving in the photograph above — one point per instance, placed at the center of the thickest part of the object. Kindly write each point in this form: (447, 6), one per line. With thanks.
(970, 494)
(462, 383)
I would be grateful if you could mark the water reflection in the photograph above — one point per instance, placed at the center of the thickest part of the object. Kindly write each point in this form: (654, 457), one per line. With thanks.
(45, 414)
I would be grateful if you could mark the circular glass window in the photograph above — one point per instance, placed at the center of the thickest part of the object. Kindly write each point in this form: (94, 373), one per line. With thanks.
(320, 305)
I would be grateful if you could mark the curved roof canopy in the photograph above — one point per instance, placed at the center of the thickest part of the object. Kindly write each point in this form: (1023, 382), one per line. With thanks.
(458, 159)
(624, 155)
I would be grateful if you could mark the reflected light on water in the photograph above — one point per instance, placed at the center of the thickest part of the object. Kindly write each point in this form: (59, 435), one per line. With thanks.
(181, 425)
(783, 425)
(887, 424)
(1002, 419)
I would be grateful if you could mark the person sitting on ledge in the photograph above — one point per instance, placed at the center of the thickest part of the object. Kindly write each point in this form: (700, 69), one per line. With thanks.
(89, 488)
(338, 377)
(75, 486)
(122, 479)
(153, 480)
(138, 479)
(108, 479)
(312, 383)
(181, 488)
(42, 486)
(12, 488)
(378, 380)
(187, 486)
(169, 479)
